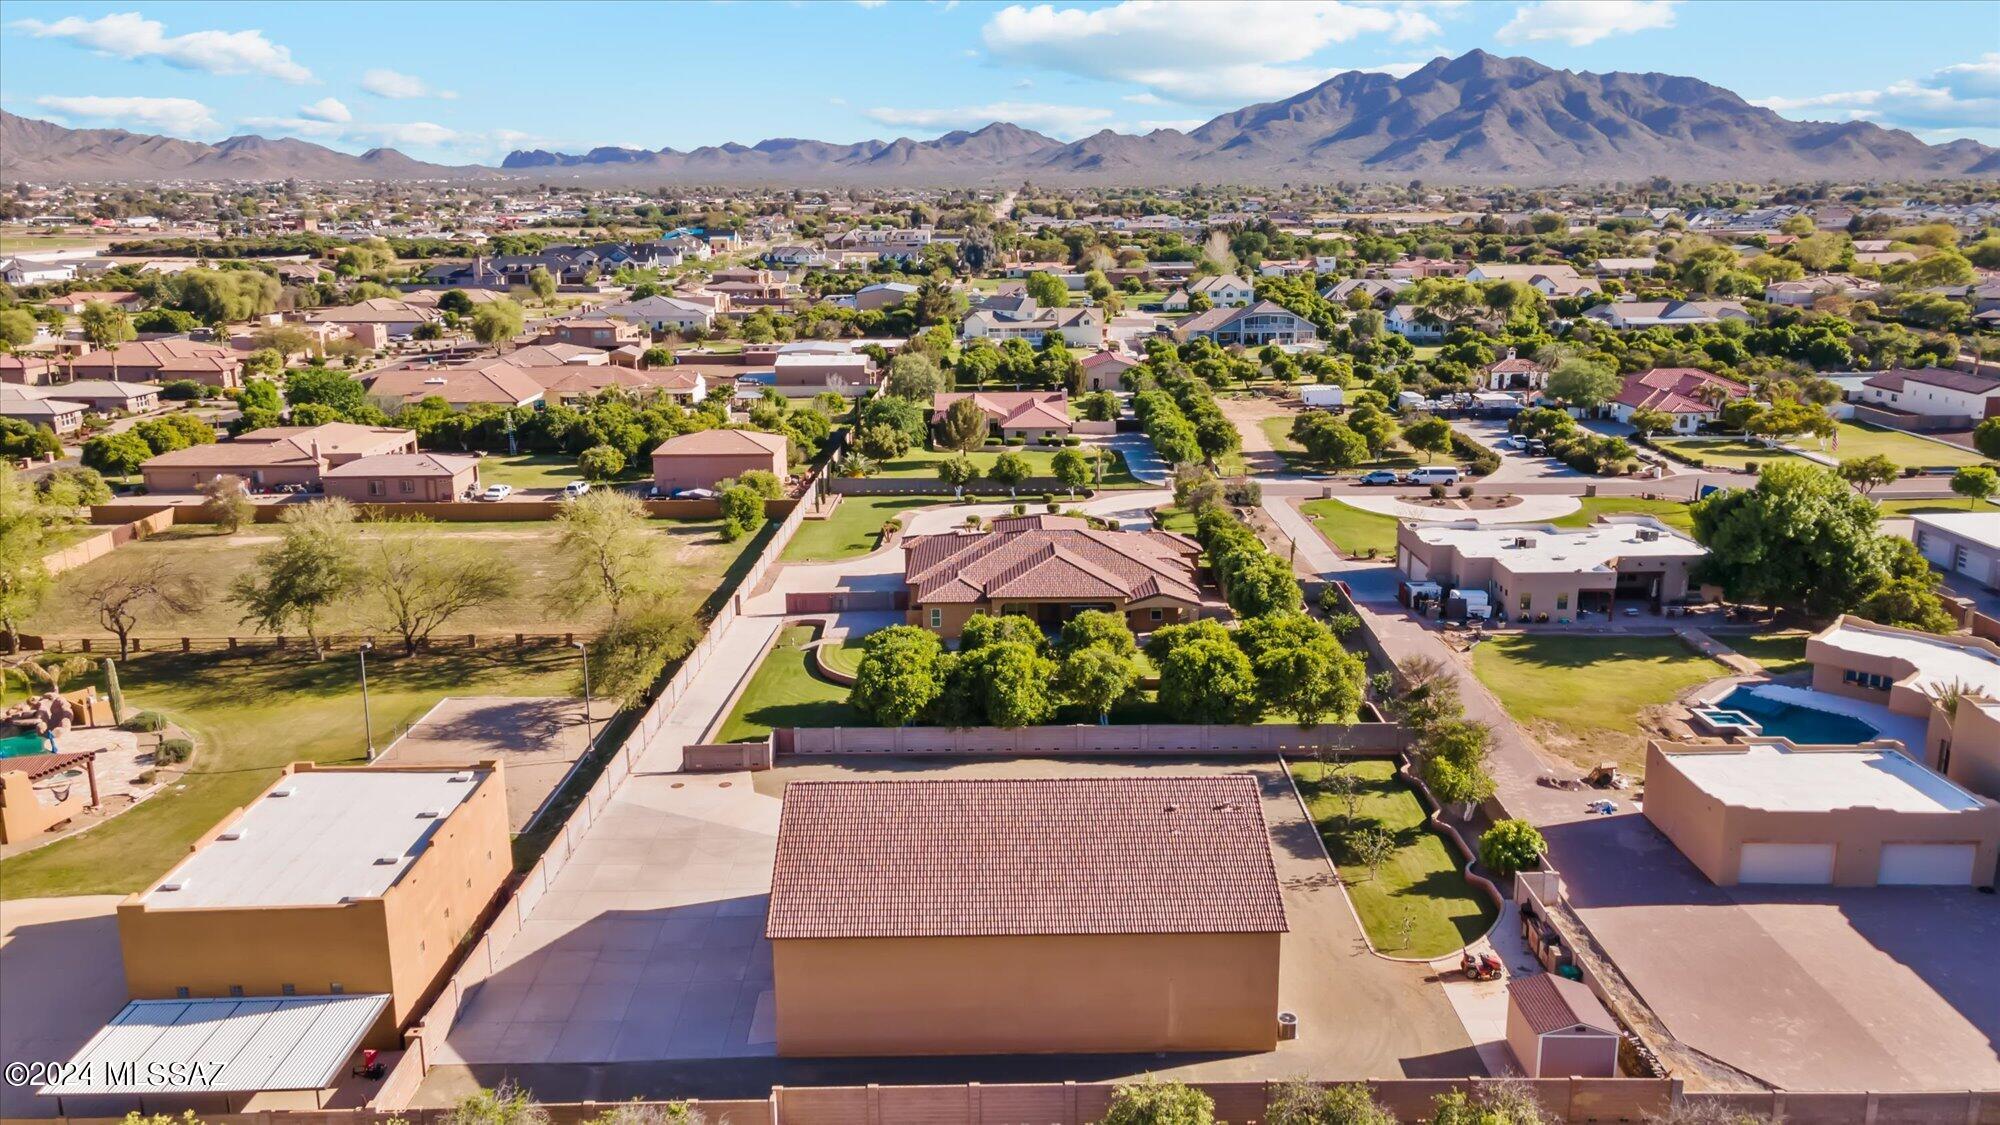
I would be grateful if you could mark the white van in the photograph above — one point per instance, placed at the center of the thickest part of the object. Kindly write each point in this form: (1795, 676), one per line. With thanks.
(1434, 474)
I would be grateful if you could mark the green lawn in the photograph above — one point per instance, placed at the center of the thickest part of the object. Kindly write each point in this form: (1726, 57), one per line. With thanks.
(786, 692)
(855, 528)
(1352, 530)
(1177, 520)
(1278, 431)
(845, 656)
(250, 715)
(1421, 879)
(1725, 454)
(1780, 653)
(1673, 513)
(539, 470)
(1894, 508)
(1864, 439)
(922, 464)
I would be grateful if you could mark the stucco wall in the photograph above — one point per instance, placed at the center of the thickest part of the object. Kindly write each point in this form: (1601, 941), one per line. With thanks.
(690, 470)
(935, 996)
(426, 489)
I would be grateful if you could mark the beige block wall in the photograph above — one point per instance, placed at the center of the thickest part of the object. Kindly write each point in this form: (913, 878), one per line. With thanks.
(441, 897)
(166, 479)
(1093, 993)
(428, 490)
(23, 814)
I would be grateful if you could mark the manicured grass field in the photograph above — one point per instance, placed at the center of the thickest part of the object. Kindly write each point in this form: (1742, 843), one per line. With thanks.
(1421, 879)
(1863, 439)
(1726, 454)
(1350, 529)
(1892, 509)
(854, 528)
(845, 656)
(1176, 520)
(1673, 513)
(540, 470)
(1582, 695)
(250, 715)
(1780, 653)
(786, 692)
(922, 464)
(693, 561)
(1278, 431)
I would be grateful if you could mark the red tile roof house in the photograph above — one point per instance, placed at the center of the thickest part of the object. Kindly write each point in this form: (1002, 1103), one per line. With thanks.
(1516, 373)
(1050, 568)
(74, 302)
(1694, 397)
(1025, 915)
(163, 361)
(1022, 414)
(593, 333)
(397, 318)
(494, 381)
(276, 455)
(1105, 371)
(401, 478)
(699, 459)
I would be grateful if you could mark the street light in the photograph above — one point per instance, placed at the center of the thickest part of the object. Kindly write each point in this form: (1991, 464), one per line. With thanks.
(589, 739)
(367, 720)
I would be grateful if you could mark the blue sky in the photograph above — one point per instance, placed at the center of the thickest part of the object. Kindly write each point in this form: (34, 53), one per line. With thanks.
(462, 83)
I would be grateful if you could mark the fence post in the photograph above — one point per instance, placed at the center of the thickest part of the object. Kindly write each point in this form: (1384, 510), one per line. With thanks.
(187, 644)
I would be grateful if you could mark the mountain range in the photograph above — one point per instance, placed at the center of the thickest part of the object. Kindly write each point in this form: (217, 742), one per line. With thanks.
(1479, 118)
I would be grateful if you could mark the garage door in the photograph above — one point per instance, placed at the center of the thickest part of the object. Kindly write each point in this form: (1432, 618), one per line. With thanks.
(1786, 863)
(1926, 865)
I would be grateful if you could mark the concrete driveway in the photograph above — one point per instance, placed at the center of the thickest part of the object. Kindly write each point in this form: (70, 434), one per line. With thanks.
(1141, 459)
(1516, 467)
(62, 977)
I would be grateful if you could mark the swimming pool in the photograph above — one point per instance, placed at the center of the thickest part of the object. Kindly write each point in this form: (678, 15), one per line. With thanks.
(1803, 725)
(23, 744)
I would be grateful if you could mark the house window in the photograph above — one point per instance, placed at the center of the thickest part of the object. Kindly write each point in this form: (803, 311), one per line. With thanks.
(289, 989)
(374, 488)
(937, 619)
(181, 992)
(1562, 601)
(1159, 615)
(335, 988)
(408, 486)
(236, 990)
(1527, 602)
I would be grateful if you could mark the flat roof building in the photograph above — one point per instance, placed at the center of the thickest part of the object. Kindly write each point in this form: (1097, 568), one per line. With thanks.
(1916, 674)
(1963, 543)
(1009, 915)
(1547, 572)
(1771, 811)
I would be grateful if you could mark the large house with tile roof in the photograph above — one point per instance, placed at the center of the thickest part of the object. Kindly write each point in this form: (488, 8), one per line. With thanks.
(1694, 397)
(1050, 568)
(1022, 414)
(701, 458)
(1265, 322)
(170, 360)
(274, 456)
(487, 383)
(1025, 915)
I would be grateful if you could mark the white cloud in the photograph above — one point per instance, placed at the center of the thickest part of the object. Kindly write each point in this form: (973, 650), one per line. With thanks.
(1972, 80)
(1395, 69)
(1203, 52)
(417, 134)
(1064, 121)
(327, 109)
(1814, 101)
(1144, 99)
(129, 35)
(1580, 23)
(1957, 100)
(871, 3)
(177, 116)
(385, 83)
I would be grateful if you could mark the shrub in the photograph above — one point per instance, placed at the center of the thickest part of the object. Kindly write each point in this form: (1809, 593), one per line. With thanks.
(183, 390)
(1465, 492)
(1072, 440)
(173, 751)
(1510, 846)
(145, 777)
(1049, 498)
(1437, 492)
(1014, 441)
(145, 722)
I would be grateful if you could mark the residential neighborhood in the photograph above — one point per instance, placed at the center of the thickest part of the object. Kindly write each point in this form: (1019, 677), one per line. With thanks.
(1071, 620)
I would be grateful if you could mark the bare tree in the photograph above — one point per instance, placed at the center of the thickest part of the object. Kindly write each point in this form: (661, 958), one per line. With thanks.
(609, 552)
(420, 584)
(124, 591)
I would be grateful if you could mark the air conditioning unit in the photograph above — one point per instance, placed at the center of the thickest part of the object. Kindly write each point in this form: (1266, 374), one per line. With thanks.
(1648, 535)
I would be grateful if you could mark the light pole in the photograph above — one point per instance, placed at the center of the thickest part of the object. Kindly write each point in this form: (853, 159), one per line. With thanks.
(589, 739)
(367, 720)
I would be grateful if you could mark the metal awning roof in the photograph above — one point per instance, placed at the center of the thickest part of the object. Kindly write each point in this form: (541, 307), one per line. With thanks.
(222, 1046)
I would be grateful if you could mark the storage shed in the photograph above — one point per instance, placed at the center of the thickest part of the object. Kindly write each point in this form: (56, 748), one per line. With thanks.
(1557, 1029)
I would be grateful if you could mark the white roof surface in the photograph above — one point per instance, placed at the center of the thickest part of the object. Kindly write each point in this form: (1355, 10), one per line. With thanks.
(227, 1045)
(1556, 551)
(1764, 775)
(1982, 528)
(1938, 662)
(332, 836)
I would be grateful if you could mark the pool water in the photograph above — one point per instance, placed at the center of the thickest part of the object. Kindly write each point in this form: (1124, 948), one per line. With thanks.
(21, 745)
(1802, 725)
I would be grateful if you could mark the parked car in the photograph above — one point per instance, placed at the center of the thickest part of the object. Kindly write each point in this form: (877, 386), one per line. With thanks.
(497, 492)
(575, 488)
(1434, 474)
(1379, 476)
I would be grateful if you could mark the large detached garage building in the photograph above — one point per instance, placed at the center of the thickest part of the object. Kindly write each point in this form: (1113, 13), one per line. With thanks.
(1770, 811)
(1005, 916)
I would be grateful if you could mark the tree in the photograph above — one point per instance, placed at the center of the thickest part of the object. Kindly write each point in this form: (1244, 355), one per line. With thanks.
(1303, 1102)
(1652, 422)
(1153, 1102)
(1371, 847)
(1329, 440)
(220, 297)
(1865, 473)
(957, 472)
(1262, 583)
(915, 377)
(1583, 383)
(1975, 483)
(610, 553)
(898, 412)
(24, 578)
(900, 676)
(497, 322)
(1072, 469)
(1302, 668)
(1012, 679)
(1010, 469)
(324, 386)
(1095, 677)
(421, 583)
(1375, 426)
(118, 454)
(226, 502)
(963, 427)
(600, 463)
(742, 511)
(542, 283)
(105, 326)
(17, 329)
(1510, 846)
(628, 658)
(883, 442)
(1207, 680)
(1986, 438)
(1799, 537)
(314, 567)
(1429, 436)
(127, 588)
(1047, 290)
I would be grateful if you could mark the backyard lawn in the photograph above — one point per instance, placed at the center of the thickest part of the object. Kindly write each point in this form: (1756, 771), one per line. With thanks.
(250, 715)
(786, 692)
(1864, 439)
(854, 528)
(1583, 695)
(693, 558)
(845, 656)
(1353, 531)
(1893, 509)
(922, 464)
(1725, 454)
(542, 470)
(1421, 882)
(1673, 513)
(1781, 654)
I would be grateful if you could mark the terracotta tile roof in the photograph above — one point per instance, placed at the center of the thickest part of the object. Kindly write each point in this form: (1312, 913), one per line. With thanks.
(1961, 381)
(404, 465)
(1553, 1003)
(1675, 390)
(1012, 409)
(704, 443)
(1049, 557)
(494, 382)
(171, 354)
(1014, 856)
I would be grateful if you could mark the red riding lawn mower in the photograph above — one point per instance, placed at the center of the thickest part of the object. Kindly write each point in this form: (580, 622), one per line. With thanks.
(1483, 966)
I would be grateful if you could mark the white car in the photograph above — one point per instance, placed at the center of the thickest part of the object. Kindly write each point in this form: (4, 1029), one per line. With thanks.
(575, 488)
(497, 492)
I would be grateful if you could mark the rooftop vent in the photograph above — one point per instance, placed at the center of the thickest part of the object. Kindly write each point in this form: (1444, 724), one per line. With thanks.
(174, 884)
(386, 860)
(430, 814)
(462, 776)
(1648, 534)
(232, 834)
(1523, 541)
(284, 791)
